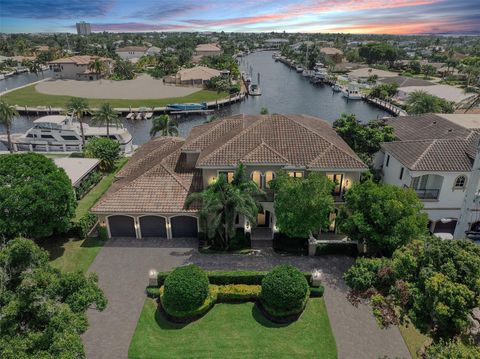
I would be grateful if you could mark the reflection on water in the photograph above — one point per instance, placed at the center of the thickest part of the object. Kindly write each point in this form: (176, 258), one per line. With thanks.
(283, 91)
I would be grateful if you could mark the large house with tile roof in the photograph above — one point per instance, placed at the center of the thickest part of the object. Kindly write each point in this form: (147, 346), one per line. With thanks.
(434, 155)
(148, 197)
(78, 67)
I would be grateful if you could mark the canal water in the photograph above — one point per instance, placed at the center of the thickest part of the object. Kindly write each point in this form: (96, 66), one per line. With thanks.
(283, 91)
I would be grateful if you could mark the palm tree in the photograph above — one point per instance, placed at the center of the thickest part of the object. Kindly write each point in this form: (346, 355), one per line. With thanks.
(34, 67)
(419, 102)
(7, 113)
(165, 125)
(97, 66)
(221, 202)
(106, 115)
(78, 106)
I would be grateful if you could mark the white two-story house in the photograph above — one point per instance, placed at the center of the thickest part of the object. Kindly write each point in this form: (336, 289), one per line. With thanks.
(148, 198)
(434, 155)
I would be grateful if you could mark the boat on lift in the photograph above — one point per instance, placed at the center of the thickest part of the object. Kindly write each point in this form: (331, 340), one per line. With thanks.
(254, 90)
(336, 87)
(352, 92)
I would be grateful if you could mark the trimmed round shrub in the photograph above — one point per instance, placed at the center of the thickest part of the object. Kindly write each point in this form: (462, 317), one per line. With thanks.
(185, 289)
(284, 290)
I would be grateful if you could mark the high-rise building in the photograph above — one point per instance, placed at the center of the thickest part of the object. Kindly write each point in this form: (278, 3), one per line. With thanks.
(83, 28)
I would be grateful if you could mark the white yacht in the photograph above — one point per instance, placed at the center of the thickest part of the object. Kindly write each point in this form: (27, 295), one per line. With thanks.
(61, 133)
(336, 87)
(299, 68)
(254, 90)
(352, 93)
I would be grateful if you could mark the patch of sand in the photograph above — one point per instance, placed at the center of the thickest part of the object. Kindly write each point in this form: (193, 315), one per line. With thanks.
(142, 87)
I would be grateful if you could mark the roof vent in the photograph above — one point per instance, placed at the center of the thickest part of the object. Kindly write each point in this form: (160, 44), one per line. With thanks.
(449, 130)
(434, 122)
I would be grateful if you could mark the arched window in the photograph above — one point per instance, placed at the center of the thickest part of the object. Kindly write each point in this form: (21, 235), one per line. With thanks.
(460, 182)
(269, 175)
(257, 178)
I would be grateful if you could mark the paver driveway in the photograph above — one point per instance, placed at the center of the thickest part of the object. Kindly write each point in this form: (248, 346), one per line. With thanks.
(122, 267)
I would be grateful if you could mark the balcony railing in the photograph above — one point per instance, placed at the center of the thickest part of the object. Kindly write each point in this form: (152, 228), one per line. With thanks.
(427, 193)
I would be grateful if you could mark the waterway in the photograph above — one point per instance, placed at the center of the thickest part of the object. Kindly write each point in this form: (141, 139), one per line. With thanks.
(283, 91)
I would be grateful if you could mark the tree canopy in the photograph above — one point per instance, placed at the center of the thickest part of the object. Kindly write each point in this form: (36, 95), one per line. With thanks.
(302, 205)
(105, 149)
(378, 53)
(435, 282)
(222, 201)
(36, 197)
(42, 310)
(364, 139)
(419, 102)
(384, 216)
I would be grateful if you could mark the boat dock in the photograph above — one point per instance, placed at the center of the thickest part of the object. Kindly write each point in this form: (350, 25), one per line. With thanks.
(211, 106)
(387, 106)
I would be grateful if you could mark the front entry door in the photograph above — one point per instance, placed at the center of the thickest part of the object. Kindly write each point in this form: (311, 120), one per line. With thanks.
(263, 219)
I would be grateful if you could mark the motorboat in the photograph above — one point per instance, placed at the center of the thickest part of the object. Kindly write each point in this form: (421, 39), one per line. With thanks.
(308, 73)
(61, 133)
(299, 68)
(352, 93)
(276, 56)
(254, 90)
(187, 106)
(321, 75)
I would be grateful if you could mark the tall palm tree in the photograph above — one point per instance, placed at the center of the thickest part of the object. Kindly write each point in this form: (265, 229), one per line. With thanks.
(222, 201)
(107, 116)
(7, 113)
(34, 67)
(165, 125)
(78, 107)
(97, 66)
(419, 102)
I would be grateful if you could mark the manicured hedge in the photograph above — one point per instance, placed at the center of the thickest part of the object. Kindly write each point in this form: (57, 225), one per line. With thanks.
(349, 249)
(153, 292)
(316, 291)
(230, 277)
(238, 293)
(84, 225)
(185, 316)
(185, 289)
(285, 291)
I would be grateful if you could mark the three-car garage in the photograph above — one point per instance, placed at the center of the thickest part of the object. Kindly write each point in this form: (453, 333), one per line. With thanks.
(153, 226)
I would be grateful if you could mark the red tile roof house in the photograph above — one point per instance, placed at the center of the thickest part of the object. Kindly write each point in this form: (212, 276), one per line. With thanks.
(148, 197)
(77, 67)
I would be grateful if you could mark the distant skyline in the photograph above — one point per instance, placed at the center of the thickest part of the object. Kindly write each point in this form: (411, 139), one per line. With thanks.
(347, 16)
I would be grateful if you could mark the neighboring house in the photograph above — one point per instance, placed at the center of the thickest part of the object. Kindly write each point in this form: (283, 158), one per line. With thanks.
(331, 51)
(197, 75)
(77, 169)
(208, 50)
(153, 50)
(434, 154)
(148, 198)
(131, 53)
(275, 43)
(77, 68)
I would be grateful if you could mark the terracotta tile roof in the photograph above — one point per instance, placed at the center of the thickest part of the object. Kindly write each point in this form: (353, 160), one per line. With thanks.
(79, 60)
(434, 142)
(298, 139)
(158, 178)
(132, 49)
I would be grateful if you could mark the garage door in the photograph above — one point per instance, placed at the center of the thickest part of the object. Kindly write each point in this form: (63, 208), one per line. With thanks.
(445, 227)
(121, 226)
(153, 226)
(184, 227)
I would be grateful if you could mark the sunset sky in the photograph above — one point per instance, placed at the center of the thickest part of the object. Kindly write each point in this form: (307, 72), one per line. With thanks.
(349, 16)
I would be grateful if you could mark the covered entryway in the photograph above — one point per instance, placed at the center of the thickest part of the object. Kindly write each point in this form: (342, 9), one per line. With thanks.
(153, 226)
(184, 227)
(121, 226)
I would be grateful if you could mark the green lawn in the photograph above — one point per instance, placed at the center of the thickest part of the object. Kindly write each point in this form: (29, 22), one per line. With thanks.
(70, 253)
(234, 331)
(414, 340)
(28, 96)
(96, 192)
